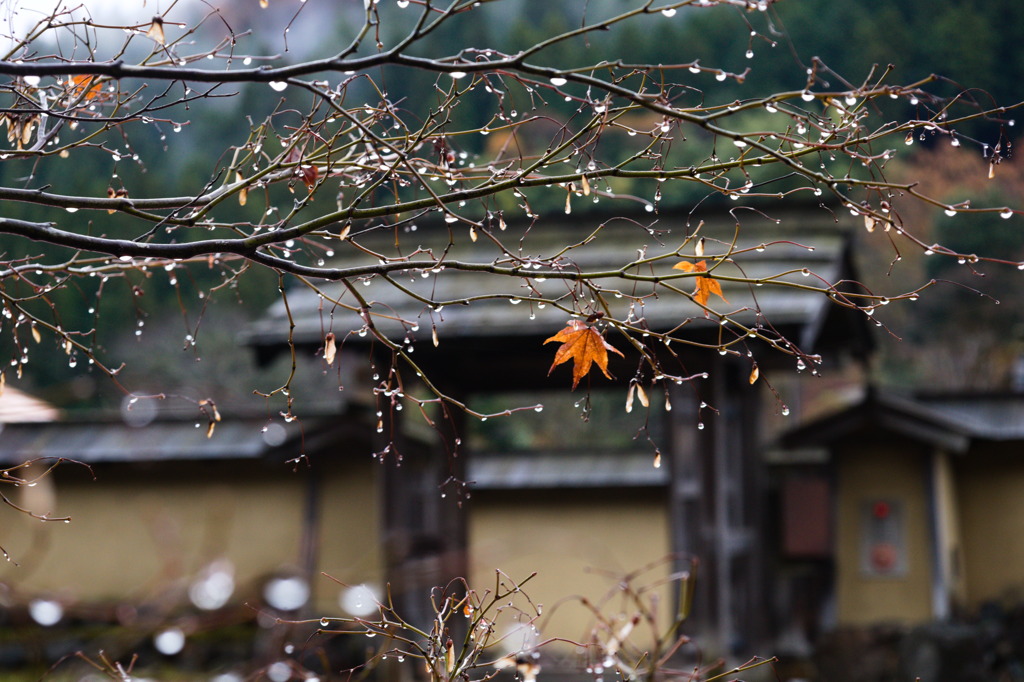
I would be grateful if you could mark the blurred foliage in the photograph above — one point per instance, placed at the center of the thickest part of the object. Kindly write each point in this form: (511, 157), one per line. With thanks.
(965, 332)
(566, 426)
(970, 44)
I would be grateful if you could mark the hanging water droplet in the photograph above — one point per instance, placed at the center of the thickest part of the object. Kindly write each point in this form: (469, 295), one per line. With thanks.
(669, 11)
(1006, 214)
(277, 86)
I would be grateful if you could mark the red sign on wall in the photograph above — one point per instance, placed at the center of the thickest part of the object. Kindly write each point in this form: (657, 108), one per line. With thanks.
(883, 538)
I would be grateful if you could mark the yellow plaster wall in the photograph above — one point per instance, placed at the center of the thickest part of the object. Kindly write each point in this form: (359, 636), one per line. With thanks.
(868, 471)
(350, 528)
(136, 534)
(991, 487)
(578, 542)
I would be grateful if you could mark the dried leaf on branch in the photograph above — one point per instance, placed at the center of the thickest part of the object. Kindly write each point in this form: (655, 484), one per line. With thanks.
(585, 346)
(156, 31)
(706, 285)
(330, 348)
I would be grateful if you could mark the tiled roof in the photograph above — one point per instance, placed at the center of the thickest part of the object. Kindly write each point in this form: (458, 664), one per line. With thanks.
(811, 242)
(93, 442)
(949, 421)
(985, 417)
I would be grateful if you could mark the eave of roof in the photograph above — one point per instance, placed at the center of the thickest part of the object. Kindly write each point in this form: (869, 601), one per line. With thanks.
(98, 442)
(950, 422)
(563, 470)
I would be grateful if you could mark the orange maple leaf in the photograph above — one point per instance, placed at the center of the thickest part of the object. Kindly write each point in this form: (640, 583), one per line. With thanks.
(706, 285)
(89, 86)
(585, 346)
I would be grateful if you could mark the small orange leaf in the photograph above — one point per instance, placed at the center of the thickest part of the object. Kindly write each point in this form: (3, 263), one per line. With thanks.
(706, 285)
(112, 193)
(754, 374)
(585, 346)
(85, 86)
(243, 194)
